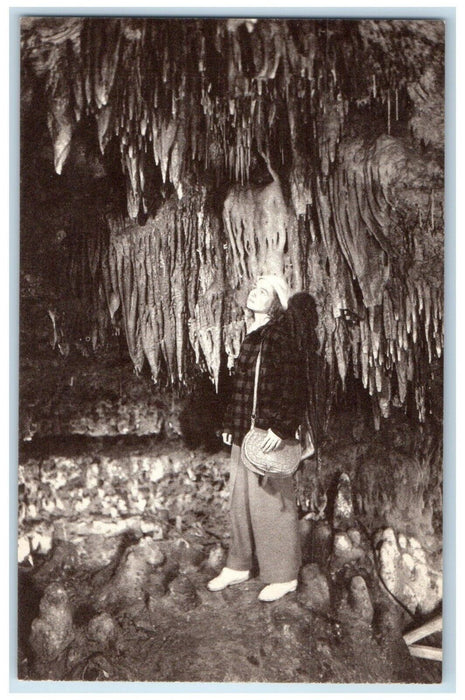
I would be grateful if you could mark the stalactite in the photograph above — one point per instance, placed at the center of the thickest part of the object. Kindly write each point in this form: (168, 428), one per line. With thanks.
(342, 293)
(61, 126)
(341, 348)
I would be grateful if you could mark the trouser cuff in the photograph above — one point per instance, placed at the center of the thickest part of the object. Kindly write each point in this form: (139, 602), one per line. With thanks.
(238, 564)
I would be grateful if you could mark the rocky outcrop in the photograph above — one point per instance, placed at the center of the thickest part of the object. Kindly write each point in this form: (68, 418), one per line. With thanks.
(408, 571)
(52, 633)
(314, 591)
(129, 580)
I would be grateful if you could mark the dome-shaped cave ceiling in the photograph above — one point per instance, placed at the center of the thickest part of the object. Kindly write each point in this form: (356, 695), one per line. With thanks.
(201, 152)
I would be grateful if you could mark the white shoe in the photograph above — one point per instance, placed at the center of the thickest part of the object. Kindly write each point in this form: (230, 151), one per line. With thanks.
(228, 577)
(274, 591)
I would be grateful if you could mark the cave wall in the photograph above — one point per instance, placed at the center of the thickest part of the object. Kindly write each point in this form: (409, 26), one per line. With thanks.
(93, 493)
(153, 190)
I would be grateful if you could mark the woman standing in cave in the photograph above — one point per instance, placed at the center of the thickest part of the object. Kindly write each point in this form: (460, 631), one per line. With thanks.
(263, 512)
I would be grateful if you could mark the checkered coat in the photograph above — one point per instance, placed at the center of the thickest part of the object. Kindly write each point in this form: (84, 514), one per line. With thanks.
(281, 386)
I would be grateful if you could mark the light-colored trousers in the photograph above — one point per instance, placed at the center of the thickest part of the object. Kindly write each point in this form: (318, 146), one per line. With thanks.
(264, 520)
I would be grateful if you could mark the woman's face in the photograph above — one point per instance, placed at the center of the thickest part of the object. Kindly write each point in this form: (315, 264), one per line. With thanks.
(261, 297)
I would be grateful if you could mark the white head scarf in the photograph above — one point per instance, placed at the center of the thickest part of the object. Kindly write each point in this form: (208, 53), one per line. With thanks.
(280, 286)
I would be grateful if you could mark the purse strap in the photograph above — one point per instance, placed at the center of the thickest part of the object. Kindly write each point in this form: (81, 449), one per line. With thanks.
(257, 370)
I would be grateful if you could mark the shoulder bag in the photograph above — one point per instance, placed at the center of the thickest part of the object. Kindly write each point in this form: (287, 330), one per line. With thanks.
(278, 463)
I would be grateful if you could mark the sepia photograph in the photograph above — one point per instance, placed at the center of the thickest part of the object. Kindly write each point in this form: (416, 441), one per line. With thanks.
(231, 337)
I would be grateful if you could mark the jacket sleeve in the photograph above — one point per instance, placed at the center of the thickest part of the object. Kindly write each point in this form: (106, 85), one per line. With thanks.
(282, 397)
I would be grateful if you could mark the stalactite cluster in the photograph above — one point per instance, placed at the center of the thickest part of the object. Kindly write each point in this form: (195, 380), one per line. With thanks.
(166, 281)
(212, 91)
(376, 276)
(337, 113)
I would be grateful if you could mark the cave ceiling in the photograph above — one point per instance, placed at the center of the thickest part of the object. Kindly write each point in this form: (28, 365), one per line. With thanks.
(240, 146)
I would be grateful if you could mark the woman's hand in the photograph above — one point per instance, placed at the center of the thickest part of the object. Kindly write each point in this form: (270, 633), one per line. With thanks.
(271, 441)
(227, 438)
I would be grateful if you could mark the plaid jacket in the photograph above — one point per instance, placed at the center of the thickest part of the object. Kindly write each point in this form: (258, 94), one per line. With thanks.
(280, 394)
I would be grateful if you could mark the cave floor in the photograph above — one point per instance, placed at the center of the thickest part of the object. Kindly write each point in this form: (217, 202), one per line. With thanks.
(232, 637)
(228, 636)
